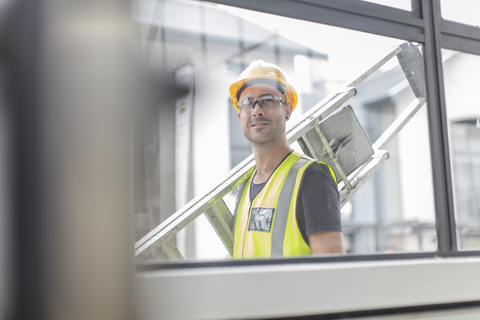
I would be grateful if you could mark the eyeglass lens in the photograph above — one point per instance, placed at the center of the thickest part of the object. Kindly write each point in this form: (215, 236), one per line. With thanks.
(248, 104)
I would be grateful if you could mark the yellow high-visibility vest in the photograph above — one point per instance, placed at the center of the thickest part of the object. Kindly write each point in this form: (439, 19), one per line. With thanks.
(267, 226)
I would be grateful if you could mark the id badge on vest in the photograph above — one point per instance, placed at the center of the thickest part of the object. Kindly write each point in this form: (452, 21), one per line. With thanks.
(261, 219)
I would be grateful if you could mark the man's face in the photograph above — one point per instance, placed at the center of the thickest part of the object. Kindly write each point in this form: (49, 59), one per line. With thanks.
(264, 125)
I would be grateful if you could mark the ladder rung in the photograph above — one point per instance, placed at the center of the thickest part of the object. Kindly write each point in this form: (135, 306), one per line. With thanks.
(222, 221)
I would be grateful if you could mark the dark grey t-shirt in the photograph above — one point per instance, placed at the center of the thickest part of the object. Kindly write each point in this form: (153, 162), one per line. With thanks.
(318, 205)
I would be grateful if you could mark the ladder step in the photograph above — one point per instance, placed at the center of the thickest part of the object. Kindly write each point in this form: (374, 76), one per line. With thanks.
(221, 220)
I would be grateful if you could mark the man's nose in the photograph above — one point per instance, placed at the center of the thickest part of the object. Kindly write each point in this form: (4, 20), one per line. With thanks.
(259, 110)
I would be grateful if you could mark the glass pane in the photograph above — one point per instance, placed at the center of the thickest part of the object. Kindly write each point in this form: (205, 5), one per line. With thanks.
(463, 11)
(399, 4)
(209, 45)
(462, 78)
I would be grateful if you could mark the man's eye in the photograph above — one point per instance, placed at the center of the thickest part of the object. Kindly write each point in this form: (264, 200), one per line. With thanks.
(246, 104)
(267, 100)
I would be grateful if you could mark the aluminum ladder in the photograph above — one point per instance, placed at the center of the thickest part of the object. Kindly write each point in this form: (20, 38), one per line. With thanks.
(312, 133)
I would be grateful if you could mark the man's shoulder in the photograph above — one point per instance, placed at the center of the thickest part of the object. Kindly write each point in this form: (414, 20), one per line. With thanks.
(319, 165)
(318, 171)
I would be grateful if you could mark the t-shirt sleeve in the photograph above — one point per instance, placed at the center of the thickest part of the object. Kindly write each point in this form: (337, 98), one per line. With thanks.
(319, 200)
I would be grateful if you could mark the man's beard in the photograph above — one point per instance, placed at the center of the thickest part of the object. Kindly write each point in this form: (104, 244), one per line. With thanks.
(275, 130)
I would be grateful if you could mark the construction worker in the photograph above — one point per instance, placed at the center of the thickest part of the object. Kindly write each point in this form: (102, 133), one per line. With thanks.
(290, 204)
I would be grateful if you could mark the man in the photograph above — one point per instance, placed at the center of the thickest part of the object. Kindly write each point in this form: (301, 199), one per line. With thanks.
(290, 204)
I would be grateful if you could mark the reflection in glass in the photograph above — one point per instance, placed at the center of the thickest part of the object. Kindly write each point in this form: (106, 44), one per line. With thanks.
(206, 47)
(461, 76)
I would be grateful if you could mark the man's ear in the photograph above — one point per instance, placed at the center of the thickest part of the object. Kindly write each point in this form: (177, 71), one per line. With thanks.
(288, 110)
(238, 115)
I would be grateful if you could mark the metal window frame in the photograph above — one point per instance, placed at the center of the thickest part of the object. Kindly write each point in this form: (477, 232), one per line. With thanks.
(167, 265)
(423, 24)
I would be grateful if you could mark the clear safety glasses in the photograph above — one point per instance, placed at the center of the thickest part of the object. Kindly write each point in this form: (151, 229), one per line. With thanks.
(247, 105)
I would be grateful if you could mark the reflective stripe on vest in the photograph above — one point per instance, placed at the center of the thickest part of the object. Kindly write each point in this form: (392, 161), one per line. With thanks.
(277, 199)
(241, 188)
(283, 208)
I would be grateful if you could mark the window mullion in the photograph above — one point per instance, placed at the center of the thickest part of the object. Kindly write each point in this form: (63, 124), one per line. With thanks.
(446, 229)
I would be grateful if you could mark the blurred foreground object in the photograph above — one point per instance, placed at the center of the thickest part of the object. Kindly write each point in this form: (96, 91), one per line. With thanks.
(69, 99)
